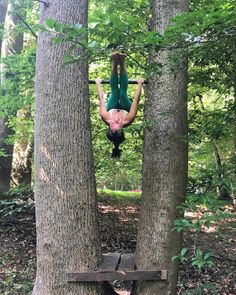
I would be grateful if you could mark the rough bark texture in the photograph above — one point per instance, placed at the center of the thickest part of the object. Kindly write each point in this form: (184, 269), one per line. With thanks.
(10, 45)
(165, 163)
(22, 163)
(66, 209)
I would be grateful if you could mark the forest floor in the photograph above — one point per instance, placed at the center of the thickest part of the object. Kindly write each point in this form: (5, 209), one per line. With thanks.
(118, 225)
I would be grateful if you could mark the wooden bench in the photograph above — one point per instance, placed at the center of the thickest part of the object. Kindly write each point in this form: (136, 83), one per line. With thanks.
(117, 266)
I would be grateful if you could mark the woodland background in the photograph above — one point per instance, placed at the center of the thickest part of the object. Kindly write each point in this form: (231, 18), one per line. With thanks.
(207, 36)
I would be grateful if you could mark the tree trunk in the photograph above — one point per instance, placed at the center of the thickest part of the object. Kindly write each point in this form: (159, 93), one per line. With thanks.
(233, 180)
(65, 192)
(222, 191)
(3, 10)
(5, 162)
(165, 163)
(23, 150)
(10, 45)
(4, 184)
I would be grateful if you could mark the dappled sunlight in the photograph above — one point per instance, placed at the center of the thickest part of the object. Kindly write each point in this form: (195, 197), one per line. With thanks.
(108, 208)
(211, 229)
(192, 214)
(125, 214)
(211, 222)
(48, 156)
(42, 175)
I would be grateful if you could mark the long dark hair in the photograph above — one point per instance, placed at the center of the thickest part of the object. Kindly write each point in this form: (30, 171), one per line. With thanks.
(117, 138)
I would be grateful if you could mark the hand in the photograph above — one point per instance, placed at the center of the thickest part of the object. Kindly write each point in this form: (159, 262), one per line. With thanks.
(140, 80)
(98, 81)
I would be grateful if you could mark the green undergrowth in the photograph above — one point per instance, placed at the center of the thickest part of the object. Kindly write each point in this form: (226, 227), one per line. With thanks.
(119, 197)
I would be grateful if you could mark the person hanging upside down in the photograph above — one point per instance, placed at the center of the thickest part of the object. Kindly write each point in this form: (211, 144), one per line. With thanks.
(119, 111)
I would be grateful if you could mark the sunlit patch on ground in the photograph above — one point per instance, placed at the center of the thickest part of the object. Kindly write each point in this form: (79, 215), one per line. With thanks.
(118, 224)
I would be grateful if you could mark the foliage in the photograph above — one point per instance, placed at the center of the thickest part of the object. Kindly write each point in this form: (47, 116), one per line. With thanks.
(10, 207)
(3, 153)
(207, 287)
(198, 258)
(17, 200)
(17, 91)
(215, 212)
(208, 212)
(11, 283)
(206, 35)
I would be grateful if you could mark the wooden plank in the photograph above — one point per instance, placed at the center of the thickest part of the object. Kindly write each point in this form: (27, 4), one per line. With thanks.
(110, 262)
(126, 262)
(164, 274)
(99, 276)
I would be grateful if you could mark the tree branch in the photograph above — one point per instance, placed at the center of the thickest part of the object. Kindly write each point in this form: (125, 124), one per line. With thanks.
(21, 18)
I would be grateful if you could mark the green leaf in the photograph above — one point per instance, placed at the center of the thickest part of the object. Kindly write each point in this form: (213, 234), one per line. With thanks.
(50, 23)
(209, 286)
(174, 258)
(39, 27)
(199, 253)
(183, 251)
(207, 256)
(57, 40)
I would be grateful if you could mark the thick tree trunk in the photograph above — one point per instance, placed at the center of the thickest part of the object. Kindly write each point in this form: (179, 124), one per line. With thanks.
(165, 163)
(10, 45)
(66, 209)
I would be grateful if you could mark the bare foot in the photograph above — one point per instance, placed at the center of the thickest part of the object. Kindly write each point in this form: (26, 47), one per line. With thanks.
(122, 56)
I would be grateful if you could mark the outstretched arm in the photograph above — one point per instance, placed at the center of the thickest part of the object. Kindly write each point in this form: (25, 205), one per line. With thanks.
(134, 107)
(103, 111)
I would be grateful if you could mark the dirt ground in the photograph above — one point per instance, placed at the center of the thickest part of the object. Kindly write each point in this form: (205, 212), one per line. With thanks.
(118, 226)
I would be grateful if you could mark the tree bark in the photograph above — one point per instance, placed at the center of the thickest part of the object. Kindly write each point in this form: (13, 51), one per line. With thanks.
(3, 10)
(23, 150)
(10, 45)
(222, 191)
(6, 161)
(233, 181)
(65, 192)
(164, 163)
(4, 169)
